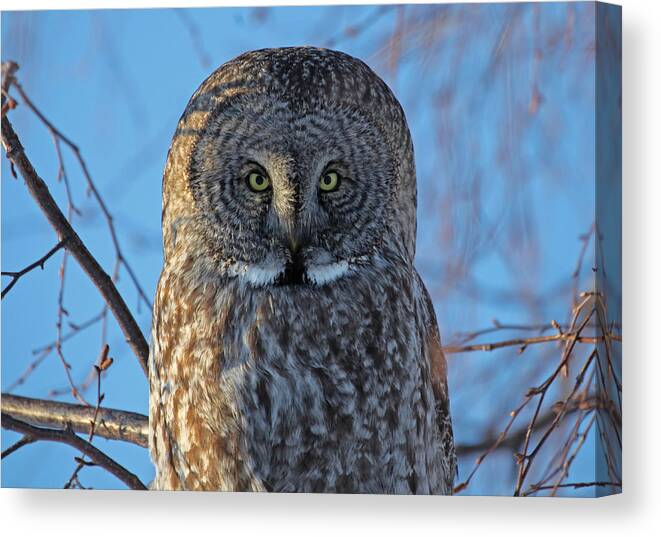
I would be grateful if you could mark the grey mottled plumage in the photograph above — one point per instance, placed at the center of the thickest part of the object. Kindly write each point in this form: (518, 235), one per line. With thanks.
(294, 346)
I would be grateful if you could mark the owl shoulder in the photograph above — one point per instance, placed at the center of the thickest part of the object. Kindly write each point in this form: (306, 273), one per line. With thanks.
(435, 358)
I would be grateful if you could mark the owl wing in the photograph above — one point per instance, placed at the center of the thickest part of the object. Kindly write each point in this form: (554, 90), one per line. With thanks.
(434, 356)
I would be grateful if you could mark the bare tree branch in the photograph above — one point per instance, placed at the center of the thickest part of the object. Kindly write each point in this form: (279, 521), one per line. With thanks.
(110, 423)
(39, 191)
(58, 137)
(524, 342)
(18, 445)
(590, 304)
(15, 276)
(581, 485)
(41, 353)
(360, 26)
(195, 35)
(67, 436)
(514, 438)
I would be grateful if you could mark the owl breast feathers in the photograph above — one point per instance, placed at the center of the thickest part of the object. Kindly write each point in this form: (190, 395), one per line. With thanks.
(294, 346)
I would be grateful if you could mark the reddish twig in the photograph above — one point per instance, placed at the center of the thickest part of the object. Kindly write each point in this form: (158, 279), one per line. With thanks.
(104, 363)
(524, 342)
(464, 337)
(525, 459)
(358, 28)
(549, 423)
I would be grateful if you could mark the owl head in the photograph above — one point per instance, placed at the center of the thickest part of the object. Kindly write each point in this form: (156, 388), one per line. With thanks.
(290, 166)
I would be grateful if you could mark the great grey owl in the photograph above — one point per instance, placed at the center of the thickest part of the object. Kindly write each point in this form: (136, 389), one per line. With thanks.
(294, 345)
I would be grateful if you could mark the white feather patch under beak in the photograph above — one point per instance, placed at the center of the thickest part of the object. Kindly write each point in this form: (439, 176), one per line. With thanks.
(323, 274)
(258, 275)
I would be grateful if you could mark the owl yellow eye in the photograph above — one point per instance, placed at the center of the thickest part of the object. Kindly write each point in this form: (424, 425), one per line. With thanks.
(258, 182)
(329, 181)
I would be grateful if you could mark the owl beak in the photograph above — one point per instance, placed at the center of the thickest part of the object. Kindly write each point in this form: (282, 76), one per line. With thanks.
(294, 244)
(294, 273)
(296, 238)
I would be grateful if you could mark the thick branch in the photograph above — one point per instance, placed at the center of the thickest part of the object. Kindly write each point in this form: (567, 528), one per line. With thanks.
(39, 191)
(110, 423)
(67, 436)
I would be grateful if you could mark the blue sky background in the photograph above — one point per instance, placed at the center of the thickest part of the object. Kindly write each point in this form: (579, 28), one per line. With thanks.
(500, 102)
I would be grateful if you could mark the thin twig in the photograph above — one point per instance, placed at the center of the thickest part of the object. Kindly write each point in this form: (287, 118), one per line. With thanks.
(582, 485)
(512, 440)
(41, 353)
(61, 312)
(524, 342)
(15, 276)
(17, 445)
(462, 338)
(525, 460)
(549, 422)
(104, 363)
(585, 241)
